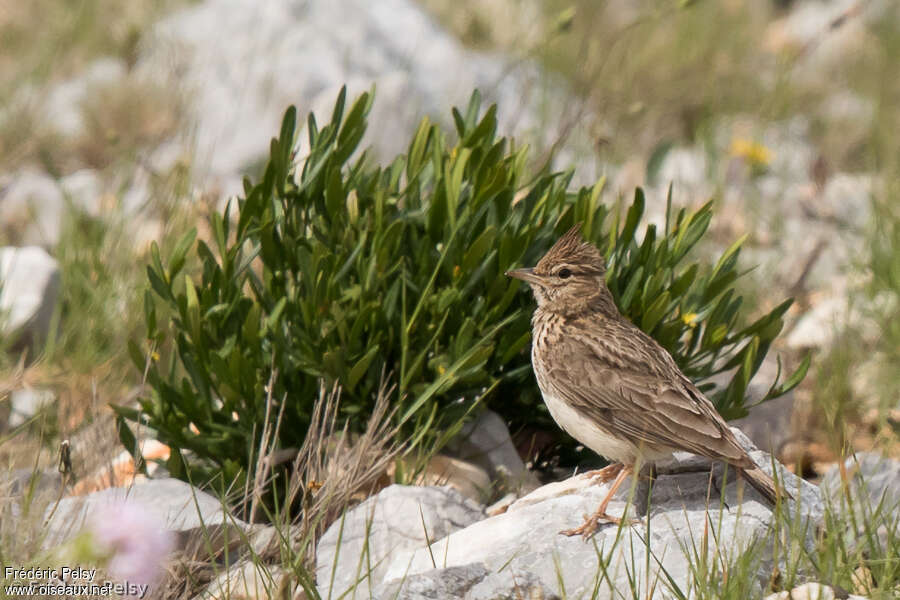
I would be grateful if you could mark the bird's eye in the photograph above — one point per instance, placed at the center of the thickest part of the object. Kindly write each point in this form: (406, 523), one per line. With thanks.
(564, 273)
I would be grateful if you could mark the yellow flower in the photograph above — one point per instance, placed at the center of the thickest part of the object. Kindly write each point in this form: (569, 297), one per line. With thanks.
(754, 153)
(690, 319)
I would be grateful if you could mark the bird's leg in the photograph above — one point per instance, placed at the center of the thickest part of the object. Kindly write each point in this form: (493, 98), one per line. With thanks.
(607, 473)
(592, 523)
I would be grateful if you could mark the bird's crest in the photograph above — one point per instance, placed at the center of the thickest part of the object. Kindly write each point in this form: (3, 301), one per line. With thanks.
(571, 249)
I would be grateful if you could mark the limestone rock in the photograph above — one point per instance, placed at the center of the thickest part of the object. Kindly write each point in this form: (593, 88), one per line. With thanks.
(247, 581)
(467, 582)
(274, 54)
(29, 289)
(397, 519)
(526, 537)
(807, 591)
(26, 403)
(84, 189)
(184, 509)
(31, 208)
(453, 582)
(486, 442)
(468, 479)
(64, 103)
(817, 328)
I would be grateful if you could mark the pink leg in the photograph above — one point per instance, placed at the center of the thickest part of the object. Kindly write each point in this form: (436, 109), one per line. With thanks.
(592, 523)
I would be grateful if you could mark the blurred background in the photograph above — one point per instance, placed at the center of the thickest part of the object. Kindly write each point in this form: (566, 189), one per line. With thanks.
(127, 123)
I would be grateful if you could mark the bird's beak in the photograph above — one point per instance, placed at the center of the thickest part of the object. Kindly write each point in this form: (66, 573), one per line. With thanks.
(526, 275)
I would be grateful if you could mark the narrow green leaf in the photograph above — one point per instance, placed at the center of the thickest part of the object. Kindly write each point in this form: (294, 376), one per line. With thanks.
(459, 122)
(655, 312)
(156, 262)
(275, 315)
(792, 381)
(479, 248)
(193, 310)
(453, 182)
(361, 366)
(635, 211)
(485, 129)
(416, 152)
(337, 114)
(137, 357)
(131, 444)
(288, 124)
(335, 197)
(627, 297)
(176, 260)
(728, 257)
(161, 288)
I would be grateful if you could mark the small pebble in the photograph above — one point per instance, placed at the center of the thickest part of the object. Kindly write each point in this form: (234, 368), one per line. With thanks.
(807, 591)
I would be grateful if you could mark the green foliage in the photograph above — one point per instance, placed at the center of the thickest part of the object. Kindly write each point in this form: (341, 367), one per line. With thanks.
(331, 268)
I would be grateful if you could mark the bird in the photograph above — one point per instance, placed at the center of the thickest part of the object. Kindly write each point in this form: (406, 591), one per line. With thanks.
(610, 385)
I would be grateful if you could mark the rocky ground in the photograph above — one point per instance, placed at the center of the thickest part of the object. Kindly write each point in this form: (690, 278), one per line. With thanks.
(442, 541)
(220, 75)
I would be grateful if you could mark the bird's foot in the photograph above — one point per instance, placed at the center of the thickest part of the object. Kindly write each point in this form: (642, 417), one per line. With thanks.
(592, 524)
(605, 474)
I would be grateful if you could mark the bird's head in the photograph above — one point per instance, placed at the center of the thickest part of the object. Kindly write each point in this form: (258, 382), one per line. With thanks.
(570, 276)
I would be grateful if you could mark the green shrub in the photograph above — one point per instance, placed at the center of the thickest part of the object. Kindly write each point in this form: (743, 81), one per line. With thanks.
(335, 269)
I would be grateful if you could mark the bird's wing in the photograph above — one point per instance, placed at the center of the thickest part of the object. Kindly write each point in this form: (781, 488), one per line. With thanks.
(631, 385)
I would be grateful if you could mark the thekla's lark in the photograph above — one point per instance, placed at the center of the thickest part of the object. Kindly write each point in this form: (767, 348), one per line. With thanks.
(610, 385)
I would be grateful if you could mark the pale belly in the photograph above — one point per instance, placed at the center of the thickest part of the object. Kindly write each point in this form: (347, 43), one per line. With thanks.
(580, 428)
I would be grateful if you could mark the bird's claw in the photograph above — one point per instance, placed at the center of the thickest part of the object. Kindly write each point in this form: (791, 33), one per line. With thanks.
(592, 523)
(586, 530)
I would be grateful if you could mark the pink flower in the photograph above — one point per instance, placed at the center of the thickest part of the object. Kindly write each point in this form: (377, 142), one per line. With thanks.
(136, 541)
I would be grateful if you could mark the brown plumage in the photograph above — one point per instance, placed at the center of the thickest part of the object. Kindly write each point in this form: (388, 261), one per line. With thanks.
(610, 385)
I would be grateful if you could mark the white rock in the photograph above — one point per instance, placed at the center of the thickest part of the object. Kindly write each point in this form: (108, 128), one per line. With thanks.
(500, 506)
(63, 105)
(808, 27)
(469, 582)
(468, 479)
(29, 288)
(395, 520)
(26, 403)
(554, 489)
(242, 62)
(84, 189)
(526, 539)
(31, 208)
(684, 166)
(486, 442)
(848, 198)
(817, 328)
(246, 581)
(812, 591)
(183, 508)
(848, 107)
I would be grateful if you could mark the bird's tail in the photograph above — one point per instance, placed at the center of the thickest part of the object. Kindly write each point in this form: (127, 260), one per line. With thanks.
(764, 484)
